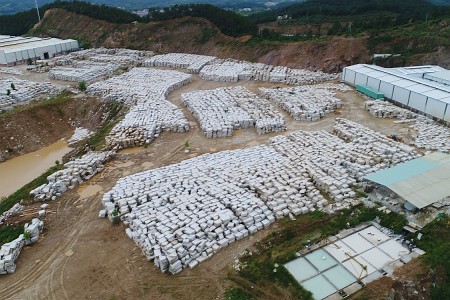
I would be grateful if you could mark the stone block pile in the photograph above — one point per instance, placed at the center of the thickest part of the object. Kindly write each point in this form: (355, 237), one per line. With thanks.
(222, 110)
(181, 214)
(79, 135)
(223, 70)
(24, 91)
(192, 62)
(83, 71)
(9, 252)
(387, 110)
(425, 132)
(118, 56)
(430, 135)
(304, 103)
(74, 173)
(232, 71)
(16, 209)
(11, 71)
(145, 91)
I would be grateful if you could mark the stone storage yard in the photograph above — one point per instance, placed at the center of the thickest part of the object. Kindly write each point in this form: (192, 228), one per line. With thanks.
(192, 62)
(305, 103)
(145, 91)
(23, 91)
(230, 70)
(182, 214)
(222, 110)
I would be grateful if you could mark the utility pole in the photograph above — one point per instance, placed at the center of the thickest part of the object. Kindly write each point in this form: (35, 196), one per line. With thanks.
(37, 8)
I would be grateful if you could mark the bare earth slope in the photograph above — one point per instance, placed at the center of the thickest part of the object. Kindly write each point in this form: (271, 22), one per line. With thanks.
(40, 124)
(197, 35)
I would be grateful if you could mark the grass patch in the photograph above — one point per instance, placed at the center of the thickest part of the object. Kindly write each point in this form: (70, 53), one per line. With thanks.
(62, 98)
(436, 242)
(24, 192)
(206, 35)
(360, 194)
(234, 293)
(97, 141)
(10, 233)
(281, 246)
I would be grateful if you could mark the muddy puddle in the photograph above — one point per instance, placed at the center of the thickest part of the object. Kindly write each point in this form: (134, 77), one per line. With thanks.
(18, 171)
(133, 150)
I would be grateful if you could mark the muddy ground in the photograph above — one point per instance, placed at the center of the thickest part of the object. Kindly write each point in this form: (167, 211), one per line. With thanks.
(80, 256)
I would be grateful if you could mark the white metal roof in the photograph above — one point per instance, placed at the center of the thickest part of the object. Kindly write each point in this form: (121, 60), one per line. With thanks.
(394, 75)
(12, 45)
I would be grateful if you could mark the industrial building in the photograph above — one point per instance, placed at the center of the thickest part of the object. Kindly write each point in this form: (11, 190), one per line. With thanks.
(17, 50)
(421, 181)
(425, 89)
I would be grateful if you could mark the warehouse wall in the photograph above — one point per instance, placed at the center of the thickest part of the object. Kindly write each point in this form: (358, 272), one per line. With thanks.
(435, 108)
(21, 56)
(402, 95)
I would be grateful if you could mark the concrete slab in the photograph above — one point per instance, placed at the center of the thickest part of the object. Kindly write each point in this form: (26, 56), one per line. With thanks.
(374, 235)
(321, 260)
(339, 277)
(301, 269)
(376, 258)
(319, 287)
(357, 243)
(394, 249)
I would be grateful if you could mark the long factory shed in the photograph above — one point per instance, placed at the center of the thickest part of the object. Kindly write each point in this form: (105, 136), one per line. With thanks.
(17, 50)
(425, 89)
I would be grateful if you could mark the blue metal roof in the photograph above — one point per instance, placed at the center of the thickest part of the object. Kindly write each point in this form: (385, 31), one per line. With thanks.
(421, 182)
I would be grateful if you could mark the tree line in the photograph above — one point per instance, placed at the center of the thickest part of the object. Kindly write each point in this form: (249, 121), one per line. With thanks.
(21, 23)
(228, 22)
(377, 12)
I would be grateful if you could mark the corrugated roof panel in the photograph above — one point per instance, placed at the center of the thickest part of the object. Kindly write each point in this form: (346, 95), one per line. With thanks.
(436, 94)
(420, 88)
(422, 181)
(405, 83)
(390, 79)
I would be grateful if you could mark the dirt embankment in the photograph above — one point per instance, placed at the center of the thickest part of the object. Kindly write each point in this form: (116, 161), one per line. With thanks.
(42, 123)
(197, 35)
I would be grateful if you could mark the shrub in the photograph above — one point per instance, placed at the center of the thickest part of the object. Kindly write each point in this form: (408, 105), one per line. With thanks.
(9, 233)
(27, 235)
(115, 212)
(82, 86)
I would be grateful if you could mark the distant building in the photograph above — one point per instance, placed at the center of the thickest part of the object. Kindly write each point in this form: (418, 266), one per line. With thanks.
(376, 56)
(142, 13)
(17, 50)
(425, 89)
(270, 4)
